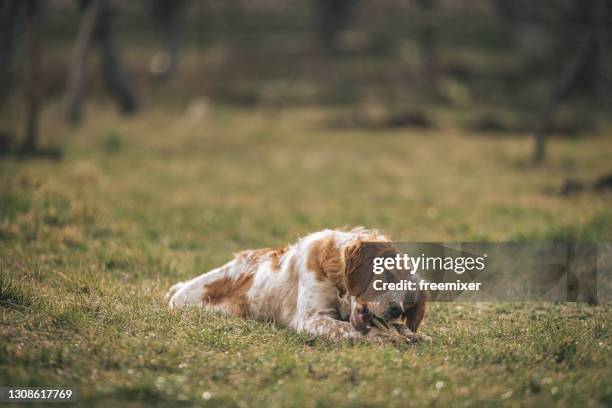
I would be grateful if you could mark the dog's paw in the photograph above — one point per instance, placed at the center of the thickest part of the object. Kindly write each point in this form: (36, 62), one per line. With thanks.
(385, 337)
(409, 335)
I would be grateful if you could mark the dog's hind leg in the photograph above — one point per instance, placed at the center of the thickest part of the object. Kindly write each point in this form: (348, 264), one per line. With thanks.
(192, 292)
(173, 289)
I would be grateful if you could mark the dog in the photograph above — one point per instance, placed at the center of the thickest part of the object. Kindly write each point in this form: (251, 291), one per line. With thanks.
(316, 286)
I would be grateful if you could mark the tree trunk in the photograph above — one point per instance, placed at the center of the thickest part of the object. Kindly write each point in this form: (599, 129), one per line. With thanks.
(569, 76)
(332, 16)
(32, 74)
(114, 76)
(76, 71)
(604, 43)
(428, 42)
(166, 14)
(12, 13)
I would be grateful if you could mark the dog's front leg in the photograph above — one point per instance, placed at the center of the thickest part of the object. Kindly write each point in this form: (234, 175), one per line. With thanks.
(324, 325)
(409, 335)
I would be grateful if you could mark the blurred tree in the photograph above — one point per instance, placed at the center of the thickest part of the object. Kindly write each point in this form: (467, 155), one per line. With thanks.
(113, 73)
(166, 14)
(12, 20)
(76, 70)
(571, 34)
(428, 42)
(587, 68)
(17, 17)
(96, 25)
(33, 77)
(332, 17)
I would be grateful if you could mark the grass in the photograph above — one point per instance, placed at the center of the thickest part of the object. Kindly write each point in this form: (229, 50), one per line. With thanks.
(89, 245)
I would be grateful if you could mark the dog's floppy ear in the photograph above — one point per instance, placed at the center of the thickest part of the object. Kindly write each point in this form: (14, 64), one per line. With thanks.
(414, 312)
(359, 262)
(357, 269)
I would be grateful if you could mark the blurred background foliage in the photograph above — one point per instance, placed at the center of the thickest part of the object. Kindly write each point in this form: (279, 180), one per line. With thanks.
(497, 66)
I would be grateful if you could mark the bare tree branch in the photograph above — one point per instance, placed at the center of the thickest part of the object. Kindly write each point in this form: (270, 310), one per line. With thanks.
(76, 71)
(12, 16)
(113, 73)
(569, 76)
(32, 74)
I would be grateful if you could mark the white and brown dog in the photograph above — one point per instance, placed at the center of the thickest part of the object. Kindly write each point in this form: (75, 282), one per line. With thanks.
(314, 286)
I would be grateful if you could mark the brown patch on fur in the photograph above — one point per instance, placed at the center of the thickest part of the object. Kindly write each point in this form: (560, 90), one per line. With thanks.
(359, 259)
(325, 260)
(276, 255)
(254, 257)
(358, 270)
(230, 292)
(414, 313)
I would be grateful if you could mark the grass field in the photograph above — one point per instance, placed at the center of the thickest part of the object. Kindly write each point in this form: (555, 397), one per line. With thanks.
(90, 244)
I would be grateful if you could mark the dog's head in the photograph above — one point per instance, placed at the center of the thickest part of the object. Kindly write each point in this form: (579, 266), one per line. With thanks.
(405, 307)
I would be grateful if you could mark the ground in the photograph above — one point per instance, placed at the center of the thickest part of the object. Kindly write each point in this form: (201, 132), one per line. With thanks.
(90, 244)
